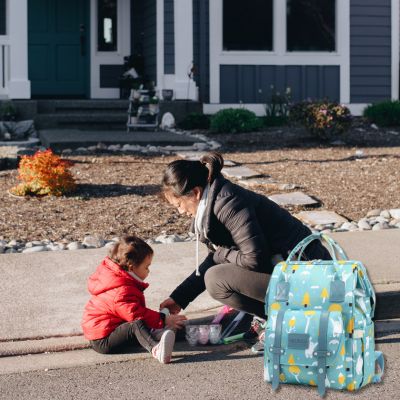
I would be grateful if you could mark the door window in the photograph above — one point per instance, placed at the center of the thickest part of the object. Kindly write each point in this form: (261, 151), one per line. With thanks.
(107, 25)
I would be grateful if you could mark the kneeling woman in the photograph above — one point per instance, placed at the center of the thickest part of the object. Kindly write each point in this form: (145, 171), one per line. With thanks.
(244, 232)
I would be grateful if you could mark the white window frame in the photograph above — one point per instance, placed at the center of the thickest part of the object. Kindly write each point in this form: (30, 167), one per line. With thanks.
(98, 58)
(279, 55)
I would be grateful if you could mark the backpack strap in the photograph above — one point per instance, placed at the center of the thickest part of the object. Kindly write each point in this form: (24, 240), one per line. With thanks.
(322, 352)
(277, 350)
(381, 363)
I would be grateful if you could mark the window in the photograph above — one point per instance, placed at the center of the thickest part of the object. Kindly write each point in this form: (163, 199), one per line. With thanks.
(247, 25)
(311, 25)
(107, 25)
(3, 17)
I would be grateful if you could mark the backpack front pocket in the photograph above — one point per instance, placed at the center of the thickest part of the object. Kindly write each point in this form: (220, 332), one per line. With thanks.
(298, 344)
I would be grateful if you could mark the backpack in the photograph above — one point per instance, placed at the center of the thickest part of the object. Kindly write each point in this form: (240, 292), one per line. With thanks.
(319, 330)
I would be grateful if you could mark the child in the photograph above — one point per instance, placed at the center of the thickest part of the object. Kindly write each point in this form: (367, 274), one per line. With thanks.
(116, 315)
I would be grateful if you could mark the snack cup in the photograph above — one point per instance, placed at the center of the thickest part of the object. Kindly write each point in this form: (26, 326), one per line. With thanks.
(215, 333)
(204, 331)
(192, 334)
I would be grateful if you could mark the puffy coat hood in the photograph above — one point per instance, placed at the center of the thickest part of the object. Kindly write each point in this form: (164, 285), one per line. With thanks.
(109, 276)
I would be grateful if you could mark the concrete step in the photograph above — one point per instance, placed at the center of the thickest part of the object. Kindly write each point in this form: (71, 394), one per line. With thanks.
(66, 106)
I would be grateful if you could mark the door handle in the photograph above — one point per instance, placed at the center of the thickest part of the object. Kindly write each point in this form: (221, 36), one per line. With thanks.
(82, 32)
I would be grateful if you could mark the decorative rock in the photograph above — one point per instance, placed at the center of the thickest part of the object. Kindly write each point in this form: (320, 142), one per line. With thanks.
(109, 245)
(374, 213)
(82, 150)
(385, 214)
(114, 147)
(75, 246)
(92, 148)
(130, 147)
(190, 155)
(338, 143)
(395, 213)
(11, 250)
(349, 226)
(2, 249)
(363, 225)
(394, 222)
(13, 243)
(382, 219)
(93, 242)
(240, 172)
(167, 121)
(294, 198)
(52, 247)
(66, 151)
(34, 249)
(168, 239)
(321, 218)
(359, 153)
(101, 146)
(326, 231)
(374, 126)
(268, 184)
(153, 149)
(201, 146)
(380, 225)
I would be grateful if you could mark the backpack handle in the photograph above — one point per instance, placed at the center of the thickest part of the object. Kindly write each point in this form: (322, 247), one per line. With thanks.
(333, 247)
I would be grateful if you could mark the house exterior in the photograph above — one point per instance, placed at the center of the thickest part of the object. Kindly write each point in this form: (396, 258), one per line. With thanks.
(225, 53)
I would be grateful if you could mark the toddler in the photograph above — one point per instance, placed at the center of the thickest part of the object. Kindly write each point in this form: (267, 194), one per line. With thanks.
(116, 315)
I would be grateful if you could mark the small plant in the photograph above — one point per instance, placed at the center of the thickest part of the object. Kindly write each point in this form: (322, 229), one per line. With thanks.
(154, 100)
(195, 121)
(42, 174)
(234, 120)
(385, 113)
(8, 112)
(322, 119)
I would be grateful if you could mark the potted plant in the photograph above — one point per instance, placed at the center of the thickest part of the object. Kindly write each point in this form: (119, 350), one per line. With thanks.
(153, 105)
(8, 112)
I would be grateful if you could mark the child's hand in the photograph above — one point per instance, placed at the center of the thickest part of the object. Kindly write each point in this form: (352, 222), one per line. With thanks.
(171, 305)
(175, 321)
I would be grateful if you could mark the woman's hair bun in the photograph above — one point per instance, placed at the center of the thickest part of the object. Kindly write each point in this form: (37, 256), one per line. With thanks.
(214, 162)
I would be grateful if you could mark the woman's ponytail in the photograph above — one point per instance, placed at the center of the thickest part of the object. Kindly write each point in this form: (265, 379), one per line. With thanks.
(214, 163)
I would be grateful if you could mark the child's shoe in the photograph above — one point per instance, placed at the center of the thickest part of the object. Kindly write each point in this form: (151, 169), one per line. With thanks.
(163, 350)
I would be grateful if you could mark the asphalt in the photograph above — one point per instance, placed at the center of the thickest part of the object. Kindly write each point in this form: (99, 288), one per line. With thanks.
(42, 295)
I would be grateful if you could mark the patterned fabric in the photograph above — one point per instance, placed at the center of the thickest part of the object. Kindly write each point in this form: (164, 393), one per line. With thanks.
(320, 330)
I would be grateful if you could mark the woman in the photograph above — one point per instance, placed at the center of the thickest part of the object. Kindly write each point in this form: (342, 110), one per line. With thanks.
(243, 230)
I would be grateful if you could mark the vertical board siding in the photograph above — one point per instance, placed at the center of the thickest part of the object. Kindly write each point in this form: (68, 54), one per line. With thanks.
(201, 47)
(252, 83)
(150, 38)
(169, 37)
(3, 17)
(370, 51)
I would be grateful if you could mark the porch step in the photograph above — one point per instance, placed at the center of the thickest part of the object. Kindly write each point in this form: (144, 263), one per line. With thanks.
(78, 106)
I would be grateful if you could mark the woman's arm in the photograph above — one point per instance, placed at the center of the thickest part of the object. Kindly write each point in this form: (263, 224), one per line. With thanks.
(250, 249)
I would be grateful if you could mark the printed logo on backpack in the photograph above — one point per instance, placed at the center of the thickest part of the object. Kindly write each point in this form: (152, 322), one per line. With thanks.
(320, 330)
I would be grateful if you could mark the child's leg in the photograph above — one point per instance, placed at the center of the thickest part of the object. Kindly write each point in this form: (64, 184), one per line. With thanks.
(125, 335)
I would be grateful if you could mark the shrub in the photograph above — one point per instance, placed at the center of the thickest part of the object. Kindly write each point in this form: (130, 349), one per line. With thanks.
(233, 120)
(322, 119)
(385, 113)
(8, 112)
(44, 173)
(195, 121)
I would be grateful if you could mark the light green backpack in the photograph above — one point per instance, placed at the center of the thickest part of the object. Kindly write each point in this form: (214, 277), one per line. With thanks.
(319, 330)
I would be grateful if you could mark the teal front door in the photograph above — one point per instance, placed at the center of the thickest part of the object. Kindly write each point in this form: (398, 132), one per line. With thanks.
(58, 48)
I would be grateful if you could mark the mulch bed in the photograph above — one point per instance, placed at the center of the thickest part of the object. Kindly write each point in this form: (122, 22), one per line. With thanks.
(119, 193)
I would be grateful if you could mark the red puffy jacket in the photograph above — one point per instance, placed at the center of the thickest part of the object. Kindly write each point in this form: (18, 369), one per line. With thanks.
(117, 297)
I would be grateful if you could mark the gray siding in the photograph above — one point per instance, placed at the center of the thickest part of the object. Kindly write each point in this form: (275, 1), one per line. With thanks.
(169, 39)
(370, 51)
(252, 83)
(3, 17)
(201, 46)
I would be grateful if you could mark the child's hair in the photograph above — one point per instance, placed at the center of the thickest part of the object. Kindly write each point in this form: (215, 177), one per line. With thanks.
(130, 252)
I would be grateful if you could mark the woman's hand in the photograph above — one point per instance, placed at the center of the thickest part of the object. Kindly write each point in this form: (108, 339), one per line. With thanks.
(175, 321)
(171, 305)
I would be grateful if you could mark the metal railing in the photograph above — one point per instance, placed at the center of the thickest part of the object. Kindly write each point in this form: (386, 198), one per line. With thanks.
(4, 67)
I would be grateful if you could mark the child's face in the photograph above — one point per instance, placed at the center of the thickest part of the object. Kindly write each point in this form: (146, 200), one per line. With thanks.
(142, 270)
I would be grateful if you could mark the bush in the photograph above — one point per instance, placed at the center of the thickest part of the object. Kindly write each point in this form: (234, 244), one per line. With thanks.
(8, 112)
(195, 121)
(233, 120)
(322, 119)
(386, 113)
(44, 173)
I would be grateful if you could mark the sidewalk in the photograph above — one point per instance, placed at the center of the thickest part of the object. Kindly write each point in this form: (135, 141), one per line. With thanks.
(42, 295)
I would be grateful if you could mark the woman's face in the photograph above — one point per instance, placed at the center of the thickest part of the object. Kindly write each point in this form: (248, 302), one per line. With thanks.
(186, 204)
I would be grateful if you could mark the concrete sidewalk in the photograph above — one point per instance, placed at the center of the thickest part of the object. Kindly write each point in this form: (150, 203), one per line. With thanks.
(42, 295)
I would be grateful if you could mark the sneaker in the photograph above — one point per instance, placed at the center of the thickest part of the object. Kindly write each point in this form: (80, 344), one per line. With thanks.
(258, 348)
(256, 328)
(163, 350)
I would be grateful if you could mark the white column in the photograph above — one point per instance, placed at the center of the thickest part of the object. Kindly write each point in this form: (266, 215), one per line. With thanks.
(184, 87)
(19, 86)
(160, 46)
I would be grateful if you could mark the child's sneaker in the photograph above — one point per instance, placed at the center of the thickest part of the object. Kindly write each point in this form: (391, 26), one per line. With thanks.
(163, 350)
(258, 348)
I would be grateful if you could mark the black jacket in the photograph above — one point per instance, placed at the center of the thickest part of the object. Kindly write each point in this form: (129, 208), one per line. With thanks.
(246, 229)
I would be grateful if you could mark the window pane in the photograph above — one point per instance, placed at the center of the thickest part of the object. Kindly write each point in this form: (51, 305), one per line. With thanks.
(107, 25)
(311, 25)
(247, 25)
(3, 17)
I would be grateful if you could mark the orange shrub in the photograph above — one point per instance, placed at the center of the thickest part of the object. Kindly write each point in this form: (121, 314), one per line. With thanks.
(44, 173)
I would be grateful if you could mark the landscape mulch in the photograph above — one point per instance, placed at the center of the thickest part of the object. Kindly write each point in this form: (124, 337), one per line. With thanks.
(119, 194)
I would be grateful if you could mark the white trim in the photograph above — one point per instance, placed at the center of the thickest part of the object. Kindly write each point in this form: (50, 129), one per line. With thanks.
(356, 109)
(279, 56)
(108, 57)
(160, 45)
(19, 86)
(395, 13)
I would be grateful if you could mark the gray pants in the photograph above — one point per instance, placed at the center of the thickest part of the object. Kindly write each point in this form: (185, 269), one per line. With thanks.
(237, 287)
